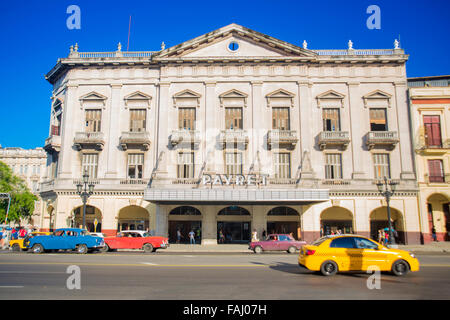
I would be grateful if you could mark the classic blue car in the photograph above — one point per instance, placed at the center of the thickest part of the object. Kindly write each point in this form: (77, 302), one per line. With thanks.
(66, 239)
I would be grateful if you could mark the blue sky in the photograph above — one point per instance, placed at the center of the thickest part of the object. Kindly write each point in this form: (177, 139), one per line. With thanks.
(34, 35)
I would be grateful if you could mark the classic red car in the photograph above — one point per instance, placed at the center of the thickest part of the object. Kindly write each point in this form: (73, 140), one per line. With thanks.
(135, 239)
(277, 242)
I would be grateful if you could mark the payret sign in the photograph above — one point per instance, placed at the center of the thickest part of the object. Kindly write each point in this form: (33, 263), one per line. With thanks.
(232, 179)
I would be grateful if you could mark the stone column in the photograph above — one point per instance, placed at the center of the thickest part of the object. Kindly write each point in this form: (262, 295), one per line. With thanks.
(306, 137)
(211, 128)
(404, 133)
(162, 221)
(68, 129)
(357, 130)
(112, 133)
(209, 225)
(163, 128)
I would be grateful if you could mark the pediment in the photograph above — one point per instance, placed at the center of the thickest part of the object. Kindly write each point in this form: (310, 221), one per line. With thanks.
(377, 98)
(233, 97)
(93, 100)
(280, 98)
(186, 98)
(377, 94)
(137, 96)
(233, 93)
(137, 99)
(187, 94)
(249, 43)
(92, 96)
(330, 98)
(330, 94)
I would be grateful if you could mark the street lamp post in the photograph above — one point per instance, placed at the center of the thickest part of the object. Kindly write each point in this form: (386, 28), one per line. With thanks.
(85, 193)
(385, 192)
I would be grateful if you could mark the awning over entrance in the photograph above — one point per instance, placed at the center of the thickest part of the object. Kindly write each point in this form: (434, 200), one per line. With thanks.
(255, 196)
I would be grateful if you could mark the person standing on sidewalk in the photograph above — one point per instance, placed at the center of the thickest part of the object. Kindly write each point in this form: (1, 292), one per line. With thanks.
(192, 237)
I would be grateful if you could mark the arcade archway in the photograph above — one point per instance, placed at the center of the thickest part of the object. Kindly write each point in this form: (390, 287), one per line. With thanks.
(235, 224)
(93, 218)
(185, 219)
(379, 221)
(336, 220)
(133, 218)
(284, 220)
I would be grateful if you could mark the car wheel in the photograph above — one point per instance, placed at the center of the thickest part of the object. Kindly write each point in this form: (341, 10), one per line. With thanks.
(82, 249)
(292, 249)
(105, 248)
(400, 268)
(37, 248)
(15, 247)
(147, 247)
(258, 249)
(329, 268)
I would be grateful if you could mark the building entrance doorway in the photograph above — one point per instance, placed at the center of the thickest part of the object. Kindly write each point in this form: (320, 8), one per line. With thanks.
(234, 231)
(185, 227)
(287, 227)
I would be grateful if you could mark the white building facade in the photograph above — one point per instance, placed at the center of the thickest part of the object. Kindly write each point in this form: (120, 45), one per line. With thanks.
(30, 165)
(231, 132)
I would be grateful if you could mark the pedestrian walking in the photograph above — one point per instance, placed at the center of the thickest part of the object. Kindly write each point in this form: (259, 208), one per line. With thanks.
(433, 234)
(264, 234)
(22, 233)
(254, 235)
(179, 236)
(221, 236)
(2, 241)
(192, 237)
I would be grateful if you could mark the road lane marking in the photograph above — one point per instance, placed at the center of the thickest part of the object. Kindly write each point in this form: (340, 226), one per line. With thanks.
(142, 264)
(11, 287)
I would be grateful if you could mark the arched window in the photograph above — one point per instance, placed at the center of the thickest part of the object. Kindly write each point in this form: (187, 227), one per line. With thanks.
(282, 211)
(185, 210)
(234, 211)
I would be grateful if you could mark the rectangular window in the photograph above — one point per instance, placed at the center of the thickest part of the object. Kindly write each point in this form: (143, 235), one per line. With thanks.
(90, 164)
(333, 166)
(331, 119)
(280, 118)
(432, 126)
(185, 165)
(135, 165)
(233, 118)
(93, 120)
(378, 120)
(436, 171)
(138, 120)
(282, 163)
(186, 118)
(233, 163)
(381, 165)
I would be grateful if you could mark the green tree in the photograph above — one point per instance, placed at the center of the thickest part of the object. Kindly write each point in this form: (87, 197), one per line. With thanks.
(22, 200)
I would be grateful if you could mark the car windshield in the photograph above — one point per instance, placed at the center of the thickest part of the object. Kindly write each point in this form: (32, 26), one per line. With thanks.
(319, 241)
(85, 233)
(146, 234)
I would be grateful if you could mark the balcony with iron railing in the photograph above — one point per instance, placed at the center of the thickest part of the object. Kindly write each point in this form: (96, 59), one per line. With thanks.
(333, 138)
(233, 137)
(387, 139)
(184, 136)
(138, 139)
(88, 140)
(283, 138)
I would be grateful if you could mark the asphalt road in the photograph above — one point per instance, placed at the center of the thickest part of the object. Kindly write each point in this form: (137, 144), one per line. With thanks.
(136, 275)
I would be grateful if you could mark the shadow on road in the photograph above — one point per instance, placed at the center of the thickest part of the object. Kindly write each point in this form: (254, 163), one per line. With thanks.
(296, 269)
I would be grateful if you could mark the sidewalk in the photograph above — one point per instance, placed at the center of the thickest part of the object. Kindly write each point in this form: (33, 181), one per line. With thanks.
(443, 247)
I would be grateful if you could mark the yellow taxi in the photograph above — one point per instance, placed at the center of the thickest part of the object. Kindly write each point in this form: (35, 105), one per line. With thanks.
(332, 254)
(21, 244)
